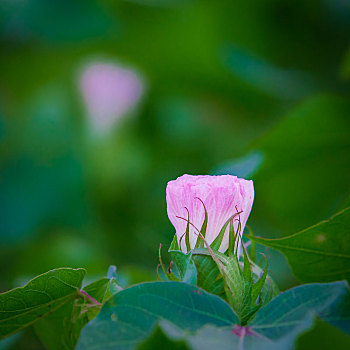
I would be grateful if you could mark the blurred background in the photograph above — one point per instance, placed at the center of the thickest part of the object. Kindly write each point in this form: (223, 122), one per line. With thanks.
(102, 102)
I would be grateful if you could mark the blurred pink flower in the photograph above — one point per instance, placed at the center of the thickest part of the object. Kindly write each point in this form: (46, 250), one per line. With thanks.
(222, 197)
(109, 92)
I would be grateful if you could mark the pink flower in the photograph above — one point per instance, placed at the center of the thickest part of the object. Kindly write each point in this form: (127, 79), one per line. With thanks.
(222, 196)
(109, 92)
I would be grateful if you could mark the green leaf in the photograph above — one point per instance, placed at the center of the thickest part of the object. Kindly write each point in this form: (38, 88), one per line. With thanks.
(276, 326)
(210, 337)
(102, 289)
(320, 253)
(289, 309)
(42, 295)
(129, 317)
(185, 313)
(61, 329)
(338, 313)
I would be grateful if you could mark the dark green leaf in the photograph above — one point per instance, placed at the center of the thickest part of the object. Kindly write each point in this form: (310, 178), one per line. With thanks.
(276, 326)
(338, 313)
(203, 321)
(130, 316)
(321, 253)
(289, 309)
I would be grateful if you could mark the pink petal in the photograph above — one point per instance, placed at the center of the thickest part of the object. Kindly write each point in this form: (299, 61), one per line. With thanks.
(222, 196)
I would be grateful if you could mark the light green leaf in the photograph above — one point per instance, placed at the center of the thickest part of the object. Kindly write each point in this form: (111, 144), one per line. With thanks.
(320, 253)
(42, 295)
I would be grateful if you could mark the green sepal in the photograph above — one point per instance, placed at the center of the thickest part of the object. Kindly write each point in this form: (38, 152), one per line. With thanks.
(200, 240)
(252, 248)
(187, 235)
(190, 276)
(215, 245)
(237, 280)
(231, 241)
(247, 272)
(257, 286)
(185, 266)
(169, 274)
(171, 277)
(208, 275)
(174, 244)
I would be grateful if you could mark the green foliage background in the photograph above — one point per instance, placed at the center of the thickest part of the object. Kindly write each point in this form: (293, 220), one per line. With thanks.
(258, 89)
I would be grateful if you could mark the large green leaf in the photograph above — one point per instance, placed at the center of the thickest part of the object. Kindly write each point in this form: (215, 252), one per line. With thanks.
(130, 316)
(42, 295)
(289, 309)
(210, 337)
(321, 253)
(276, 326)
(201, 320)
(338, 313)
(61, 329)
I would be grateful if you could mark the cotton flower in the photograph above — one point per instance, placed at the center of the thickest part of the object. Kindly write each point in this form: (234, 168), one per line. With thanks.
(222, 196)
(109, 92)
